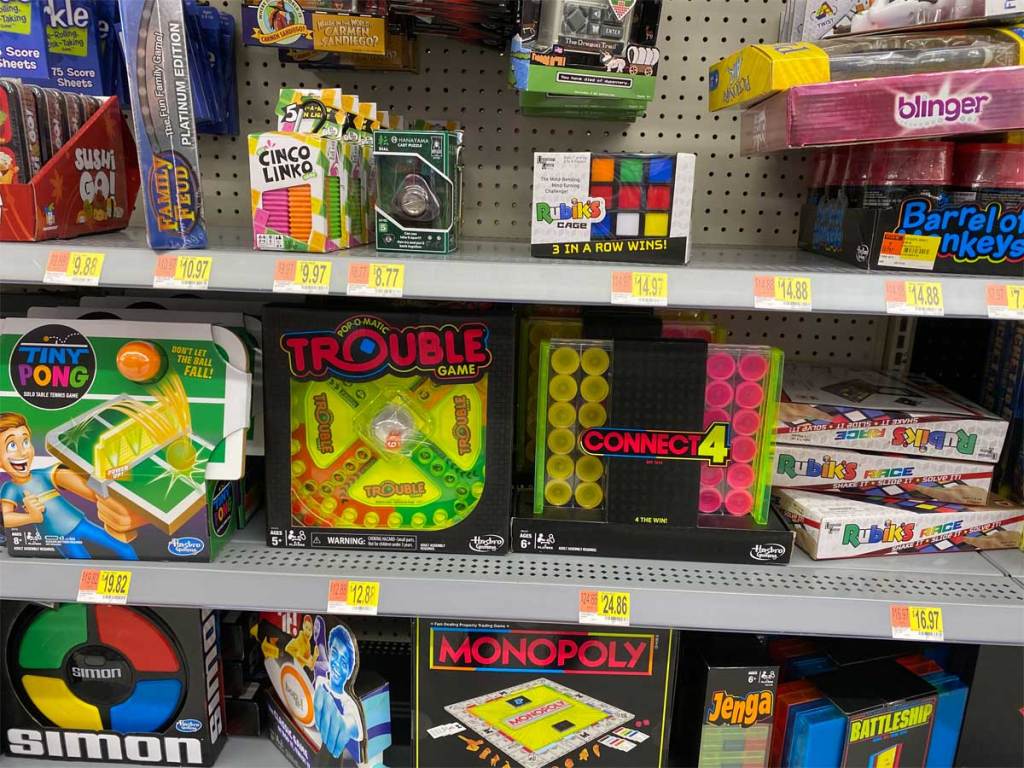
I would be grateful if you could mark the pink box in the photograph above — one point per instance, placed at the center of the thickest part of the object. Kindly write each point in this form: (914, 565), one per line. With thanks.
(887, 109)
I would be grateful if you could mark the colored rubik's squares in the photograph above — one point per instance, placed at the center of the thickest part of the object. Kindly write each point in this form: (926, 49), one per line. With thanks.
(617, 207)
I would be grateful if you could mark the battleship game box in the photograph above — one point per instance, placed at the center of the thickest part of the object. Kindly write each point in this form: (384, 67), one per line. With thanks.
(539, 695)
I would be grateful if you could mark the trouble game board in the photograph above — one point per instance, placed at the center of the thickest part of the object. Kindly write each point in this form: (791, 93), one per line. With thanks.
(538, 722)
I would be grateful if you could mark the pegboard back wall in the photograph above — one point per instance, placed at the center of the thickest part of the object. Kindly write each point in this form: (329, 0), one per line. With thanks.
(738, 200)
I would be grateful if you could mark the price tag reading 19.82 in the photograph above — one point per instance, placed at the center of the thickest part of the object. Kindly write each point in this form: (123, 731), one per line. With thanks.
(106, 587)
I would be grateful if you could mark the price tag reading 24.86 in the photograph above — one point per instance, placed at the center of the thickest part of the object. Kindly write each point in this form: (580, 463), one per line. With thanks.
(605, 608)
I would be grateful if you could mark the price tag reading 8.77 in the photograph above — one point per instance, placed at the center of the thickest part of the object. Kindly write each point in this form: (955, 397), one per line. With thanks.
(353, 597)
(379, 279)
(607, 608)
(106, 587)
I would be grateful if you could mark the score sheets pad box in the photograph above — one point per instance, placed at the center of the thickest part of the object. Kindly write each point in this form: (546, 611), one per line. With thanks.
(612, 206)
(534, 695)
(925, 518)
(120, 439)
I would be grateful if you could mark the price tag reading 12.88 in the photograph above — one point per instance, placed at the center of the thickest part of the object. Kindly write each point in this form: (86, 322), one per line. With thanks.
(605, 608)
(106, 587)
(353, 597)
(302, 276)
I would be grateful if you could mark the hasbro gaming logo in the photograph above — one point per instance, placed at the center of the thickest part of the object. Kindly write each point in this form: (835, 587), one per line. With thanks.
(188, 725)
(922, 110)
(186, 546)
(767, 552)
(491, 542)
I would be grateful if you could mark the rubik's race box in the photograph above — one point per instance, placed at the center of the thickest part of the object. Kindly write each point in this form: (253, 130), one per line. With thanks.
(921, 518)
(537, 695)
(120, 439)
(388, 431)
(870, 410)
(324, 711)
(111, 684)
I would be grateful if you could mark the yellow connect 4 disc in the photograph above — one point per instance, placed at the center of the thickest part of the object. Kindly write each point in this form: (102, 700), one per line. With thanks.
(562, 388)
(594, 389)
(589, 469)
(592, 415)
(557, 492)
(561, 441)
(595, 361)
(562, 415)
(559, 467)
(589, 495)
(565, 360)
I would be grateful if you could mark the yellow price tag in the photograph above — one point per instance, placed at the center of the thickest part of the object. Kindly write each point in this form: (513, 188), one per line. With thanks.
(909, 251)
(914, 297)
(648, 289)
(379, 279)
(302, 276)
(779, 292)
(107, 587)
(1005, 301)
(182, 271)
(609, 608)
(74, 268)
(347, 596)
(916, 622)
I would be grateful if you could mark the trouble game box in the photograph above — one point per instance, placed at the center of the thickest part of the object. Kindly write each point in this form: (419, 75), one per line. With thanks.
(536, 695)
(120, 439)
(388, 430)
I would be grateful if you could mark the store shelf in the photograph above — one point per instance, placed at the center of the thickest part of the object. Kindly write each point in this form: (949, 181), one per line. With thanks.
(717, 277)
(981, 604)
(1010, 561)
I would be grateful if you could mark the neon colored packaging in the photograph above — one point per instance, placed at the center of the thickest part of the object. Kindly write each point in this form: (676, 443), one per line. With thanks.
(23, 40)
(153, 32)
(298, 193)
(758, 71)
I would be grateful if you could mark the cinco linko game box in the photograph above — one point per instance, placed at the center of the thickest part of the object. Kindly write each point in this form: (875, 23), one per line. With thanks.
(120, 440)
(535, 695)
(388, 431)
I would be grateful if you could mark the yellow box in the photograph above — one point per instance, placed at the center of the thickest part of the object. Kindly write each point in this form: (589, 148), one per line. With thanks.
(758, 71)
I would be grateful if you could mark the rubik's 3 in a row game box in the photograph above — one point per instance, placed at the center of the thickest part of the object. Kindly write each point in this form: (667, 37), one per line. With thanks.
(536, 695)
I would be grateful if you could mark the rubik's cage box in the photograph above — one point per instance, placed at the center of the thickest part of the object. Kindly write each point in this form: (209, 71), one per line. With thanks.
(388, 431)
(111, 684)
(536, 695)
(121, 439)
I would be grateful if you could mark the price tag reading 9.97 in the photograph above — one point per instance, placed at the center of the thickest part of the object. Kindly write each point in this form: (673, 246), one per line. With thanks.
(302, 276)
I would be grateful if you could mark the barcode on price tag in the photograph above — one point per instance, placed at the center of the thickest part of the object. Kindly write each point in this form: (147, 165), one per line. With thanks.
(909, 251)
(778, 292)
(1005, 301)
(916, 622)
(175, 271)
(74, 268)
(302, 276)
(106, 587)
(914, 297)
(645, 289)
(607, 608)
(379, 279)
(354, 597)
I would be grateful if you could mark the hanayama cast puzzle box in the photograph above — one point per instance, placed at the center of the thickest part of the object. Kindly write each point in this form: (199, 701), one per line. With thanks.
(108, 684)
(536, 695)
(865, 410)
(388, 430)
(612, 207)
(120, 439)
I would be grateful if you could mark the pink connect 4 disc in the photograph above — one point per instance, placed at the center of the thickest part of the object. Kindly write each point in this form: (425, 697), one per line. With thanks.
(721, 365)
(753, 367)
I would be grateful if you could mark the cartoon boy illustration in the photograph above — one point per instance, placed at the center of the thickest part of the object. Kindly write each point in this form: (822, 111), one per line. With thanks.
(38, 497)
(300, 647)
(337, 715)
(8, 168)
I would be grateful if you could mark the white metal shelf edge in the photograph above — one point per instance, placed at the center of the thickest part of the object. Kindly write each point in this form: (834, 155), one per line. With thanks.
(717, 277)
(981, 604)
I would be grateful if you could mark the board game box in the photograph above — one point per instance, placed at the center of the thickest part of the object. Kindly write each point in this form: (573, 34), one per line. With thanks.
(388, 431)
(535, 695)
(870, 410)
(120, 439)
(908, 518)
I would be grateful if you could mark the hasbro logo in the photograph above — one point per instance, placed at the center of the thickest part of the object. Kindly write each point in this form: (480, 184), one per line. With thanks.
(188, 725)
(713, 80)
(186, 546)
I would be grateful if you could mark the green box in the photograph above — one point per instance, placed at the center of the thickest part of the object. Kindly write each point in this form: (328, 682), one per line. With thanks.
(419, 190)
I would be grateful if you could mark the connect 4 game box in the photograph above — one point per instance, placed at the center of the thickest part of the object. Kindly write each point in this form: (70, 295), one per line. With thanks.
(536, 695)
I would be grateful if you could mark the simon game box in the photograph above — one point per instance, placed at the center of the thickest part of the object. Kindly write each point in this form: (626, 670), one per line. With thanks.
(536, 695)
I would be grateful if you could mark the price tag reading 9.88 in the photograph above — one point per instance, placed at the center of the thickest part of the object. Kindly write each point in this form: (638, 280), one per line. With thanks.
(74, 268)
